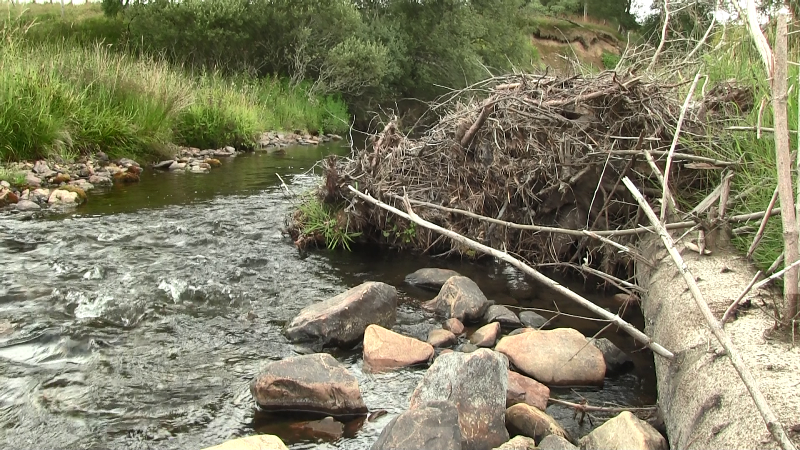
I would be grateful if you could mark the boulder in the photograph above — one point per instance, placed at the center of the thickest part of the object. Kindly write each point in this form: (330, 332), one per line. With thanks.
(555, 442)
(616, 360)
(476, 384)
(624, 431)
(27, 205)
(101, 179)
(520, 331)
(560, 357)
(43, 170)
(431, 426)
(530, 421)
(342, 320)
(176, 166)
(467, 347)
(518, 443)
(461, 298)
(522, 389)
(32, 180)
(386, 350)
(63, 197)
(328, 428)
(454, 326)
(40, 195)
(503, 315)
(7, 197)
(430, 278)
(441, 338)
(260, 442)
(310, 383)
(532, 320)
(486, 335)
(163, 165)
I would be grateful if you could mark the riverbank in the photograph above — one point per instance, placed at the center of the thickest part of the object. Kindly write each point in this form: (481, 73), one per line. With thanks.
(31, 186)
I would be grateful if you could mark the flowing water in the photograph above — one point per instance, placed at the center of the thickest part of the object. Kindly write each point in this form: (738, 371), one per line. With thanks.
(138, 320)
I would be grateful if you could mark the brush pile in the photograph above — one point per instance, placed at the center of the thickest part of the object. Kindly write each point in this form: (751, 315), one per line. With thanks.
(534, 150)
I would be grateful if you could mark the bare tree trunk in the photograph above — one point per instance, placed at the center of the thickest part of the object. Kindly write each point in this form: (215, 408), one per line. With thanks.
(786, 193)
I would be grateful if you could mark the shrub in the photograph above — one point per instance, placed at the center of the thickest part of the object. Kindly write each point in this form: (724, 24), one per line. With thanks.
(610, 60)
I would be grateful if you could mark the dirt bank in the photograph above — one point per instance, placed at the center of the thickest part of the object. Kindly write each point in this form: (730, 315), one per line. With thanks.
(704, 402)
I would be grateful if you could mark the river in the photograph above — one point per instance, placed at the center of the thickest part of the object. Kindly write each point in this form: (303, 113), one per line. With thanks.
(138, 320)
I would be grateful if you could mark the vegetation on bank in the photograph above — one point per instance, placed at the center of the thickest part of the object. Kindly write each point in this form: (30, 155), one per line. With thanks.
(63, 98)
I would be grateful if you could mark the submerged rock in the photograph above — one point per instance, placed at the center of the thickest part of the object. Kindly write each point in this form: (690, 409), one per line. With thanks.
(530, 421)
(431, 426)
(476, 383)
(560, 357)
(624, 432)
(503, 315)
(386, 350)
(27, 205)
(309, 383)
(260, 442)
(460, 298)
(441, 338)
(327, 428)
(430, 278)
(342, 320)
(531, 319)
(522, 389)
(486, 335)
(616, 360)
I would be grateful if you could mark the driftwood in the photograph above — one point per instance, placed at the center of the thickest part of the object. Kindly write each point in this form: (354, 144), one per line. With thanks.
(773, 424)
(533, 273)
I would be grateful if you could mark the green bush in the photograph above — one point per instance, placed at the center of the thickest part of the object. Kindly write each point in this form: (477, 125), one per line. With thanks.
(610, 60)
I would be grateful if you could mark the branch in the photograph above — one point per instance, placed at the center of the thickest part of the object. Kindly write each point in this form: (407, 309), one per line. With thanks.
(533, 273)
(663, 37)
(612, 410)
(763, 225)
(773, 425)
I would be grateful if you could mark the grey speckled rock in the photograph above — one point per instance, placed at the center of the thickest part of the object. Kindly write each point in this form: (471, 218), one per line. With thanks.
(342, 320)
(555, 442)
(616, 360)
(518, 443)
(461, 298)
(503, 315)
(624, 432)
(532, 320)
(476, 383)
(431, 426)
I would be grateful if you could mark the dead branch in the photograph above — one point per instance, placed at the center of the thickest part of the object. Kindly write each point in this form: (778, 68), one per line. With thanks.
(606, 409)
(760, 232)
(773, 424)
(776, 275)
(533, 273)
(735, 305)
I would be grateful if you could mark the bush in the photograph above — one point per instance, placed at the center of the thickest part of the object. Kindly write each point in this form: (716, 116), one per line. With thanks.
(610, 60)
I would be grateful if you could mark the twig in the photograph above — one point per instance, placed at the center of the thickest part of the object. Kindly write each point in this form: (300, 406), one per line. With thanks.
(488, 105)
(776, 275)
(735, 303)
(533, 273)
(663, 37)
(622, 284)
(676, 155)
(775, 263)
(677, 134)
(667, 195)
(773, 424)
(612, 410)
(724, 194)
(765, 129)
(763, 225)
(283, 185)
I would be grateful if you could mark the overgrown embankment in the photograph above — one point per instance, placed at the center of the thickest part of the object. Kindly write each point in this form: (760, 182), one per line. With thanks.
(66, 98)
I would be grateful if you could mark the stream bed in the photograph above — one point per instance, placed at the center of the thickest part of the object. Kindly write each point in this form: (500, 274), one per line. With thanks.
(138, 320)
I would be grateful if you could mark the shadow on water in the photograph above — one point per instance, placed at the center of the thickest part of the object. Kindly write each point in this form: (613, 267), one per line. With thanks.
(138, 321)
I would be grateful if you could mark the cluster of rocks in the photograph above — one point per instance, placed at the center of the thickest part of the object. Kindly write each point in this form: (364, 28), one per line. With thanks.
(194, 160)
(491, 387)
(276, 140)
(48, 183)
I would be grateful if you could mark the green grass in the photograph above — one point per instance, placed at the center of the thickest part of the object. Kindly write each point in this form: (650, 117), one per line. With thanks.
(15, 178)
(68, 98)
(324, 223)
(757, 172)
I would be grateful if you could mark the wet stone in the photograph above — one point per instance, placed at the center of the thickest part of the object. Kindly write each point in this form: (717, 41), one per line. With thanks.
(431, 426)
(454, 326)
(441, 338)
(486, 335)
(530, 421)
(460, 298)
(430, 278)
(503, 315)
(531, 319)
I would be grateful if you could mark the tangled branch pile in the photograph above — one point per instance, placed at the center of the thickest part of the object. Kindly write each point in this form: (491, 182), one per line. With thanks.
(538, 151)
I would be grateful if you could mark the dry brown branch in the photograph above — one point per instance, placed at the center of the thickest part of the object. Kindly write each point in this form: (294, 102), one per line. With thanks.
(533, 273)
(675, 136)
(760, 232)
(607, 409)
(773, 424)
(677, 156)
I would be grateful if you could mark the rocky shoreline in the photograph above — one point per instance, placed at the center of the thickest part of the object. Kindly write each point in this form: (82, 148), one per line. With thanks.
(479, 390)
(43, 184)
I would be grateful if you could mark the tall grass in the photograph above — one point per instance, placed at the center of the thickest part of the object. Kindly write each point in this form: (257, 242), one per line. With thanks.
(756, 174)
(65, 98)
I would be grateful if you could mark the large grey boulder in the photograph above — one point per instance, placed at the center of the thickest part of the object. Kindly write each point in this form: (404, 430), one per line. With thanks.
(624, 432)
(342, 320)
(308, 383)
(476, 383)
(431, 426)
(560, 357)
(430, 278)
(460, 298)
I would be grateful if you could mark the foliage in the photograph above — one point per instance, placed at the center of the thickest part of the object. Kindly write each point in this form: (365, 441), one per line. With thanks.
(14, 177)
(323, 222)
(610, 60)
(67, 99)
